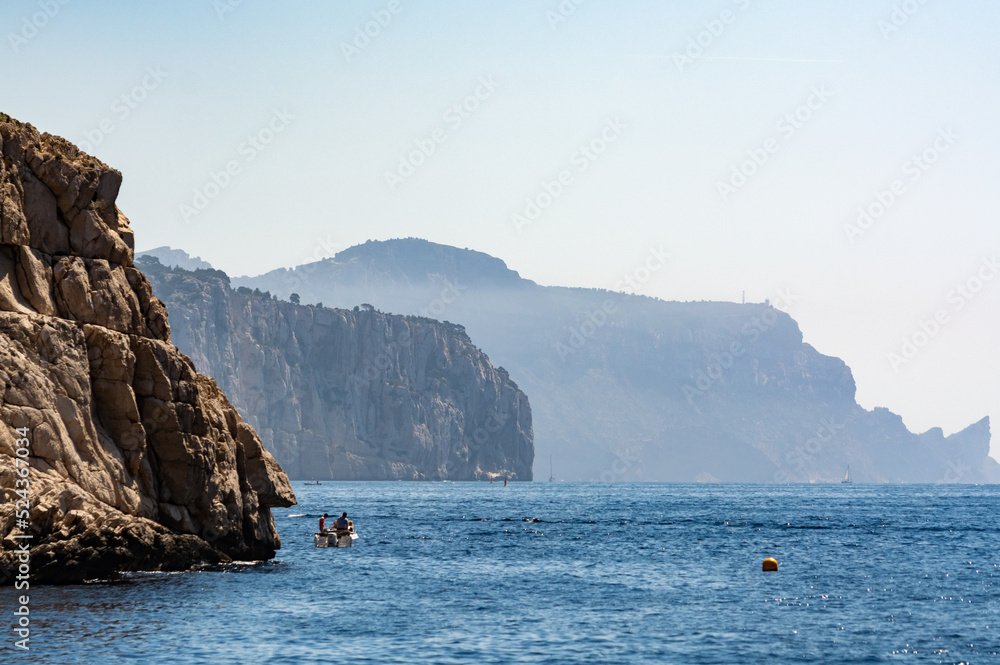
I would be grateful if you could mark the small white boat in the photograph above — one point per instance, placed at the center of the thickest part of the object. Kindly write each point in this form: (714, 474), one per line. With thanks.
(847, 476)
(336, 537)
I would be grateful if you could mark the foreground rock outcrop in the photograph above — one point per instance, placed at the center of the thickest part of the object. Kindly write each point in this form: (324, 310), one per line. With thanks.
(135, 461)
(351, 394)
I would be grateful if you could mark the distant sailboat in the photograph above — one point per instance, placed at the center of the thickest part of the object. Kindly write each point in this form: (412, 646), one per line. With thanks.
(552, 478)
(847, 476)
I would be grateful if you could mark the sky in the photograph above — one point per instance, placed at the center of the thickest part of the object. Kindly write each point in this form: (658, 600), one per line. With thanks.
(836, 156)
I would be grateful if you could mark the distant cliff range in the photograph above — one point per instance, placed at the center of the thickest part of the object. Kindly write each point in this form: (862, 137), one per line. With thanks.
(627, 387)
(175, 258)
(350, 394)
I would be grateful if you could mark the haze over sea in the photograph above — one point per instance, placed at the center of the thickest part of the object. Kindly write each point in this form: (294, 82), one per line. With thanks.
(609, 573)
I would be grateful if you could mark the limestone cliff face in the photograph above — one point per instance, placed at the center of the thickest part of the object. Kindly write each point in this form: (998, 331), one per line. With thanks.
(626, 387)
(347, 394)
(136, 462)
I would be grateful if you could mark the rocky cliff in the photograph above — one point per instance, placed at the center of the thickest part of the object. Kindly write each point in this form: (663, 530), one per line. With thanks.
(627, 387)
(351, 394)
(115, 454)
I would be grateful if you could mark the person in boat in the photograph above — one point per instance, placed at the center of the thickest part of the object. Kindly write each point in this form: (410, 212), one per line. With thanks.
(322, 523)
(342, 522)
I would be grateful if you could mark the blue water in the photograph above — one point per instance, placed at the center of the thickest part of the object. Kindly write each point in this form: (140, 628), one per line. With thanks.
(643, 573)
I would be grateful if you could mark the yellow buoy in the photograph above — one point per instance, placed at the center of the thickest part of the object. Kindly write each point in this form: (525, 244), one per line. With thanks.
(770, 564)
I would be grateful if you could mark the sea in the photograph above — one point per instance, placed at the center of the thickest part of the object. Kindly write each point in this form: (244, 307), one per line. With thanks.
(552, 572)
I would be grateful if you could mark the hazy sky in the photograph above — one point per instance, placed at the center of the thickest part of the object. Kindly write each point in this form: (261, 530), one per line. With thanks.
(571, 139)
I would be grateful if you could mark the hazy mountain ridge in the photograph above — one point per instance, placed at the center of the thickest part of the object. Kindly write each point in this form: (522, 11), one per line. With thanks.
(176, 258)
(631, 387)
(351, 394)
